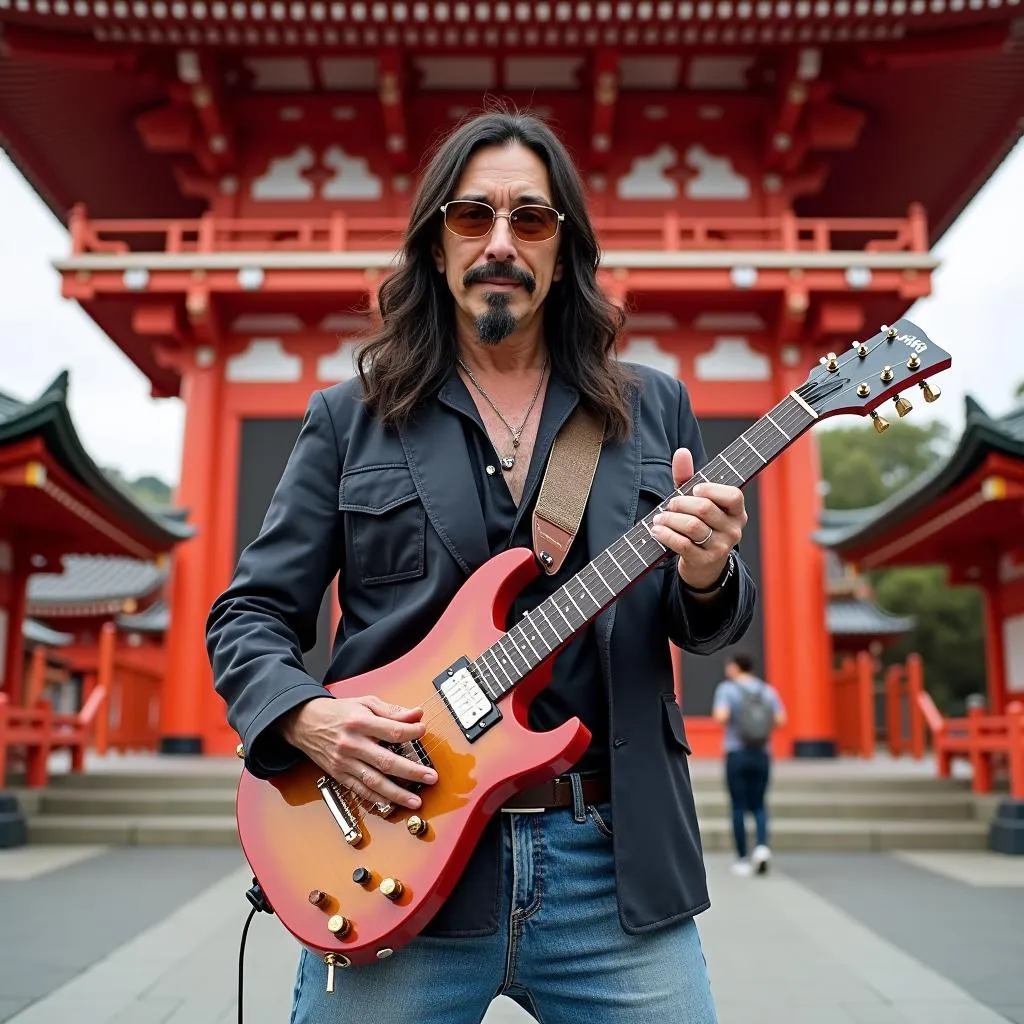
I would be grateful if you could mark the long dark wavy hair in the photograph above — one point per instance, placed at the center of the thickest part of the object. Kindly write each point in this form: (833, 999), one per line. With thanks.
(413, 351)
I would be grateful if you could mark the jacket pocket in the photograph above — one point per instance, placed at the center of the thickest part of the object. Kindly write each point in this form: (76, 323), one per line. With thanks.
(656, 482)
(386, 522)
(674, 717)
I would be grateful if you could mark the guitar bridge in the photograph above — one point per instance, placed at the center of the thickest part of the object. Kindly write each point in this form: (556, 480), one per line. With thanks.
(466, 699)
(339, 808)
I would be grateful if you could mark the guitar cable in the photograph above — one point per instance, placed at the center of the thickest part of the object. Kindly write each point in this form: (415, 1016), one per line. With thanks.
(259, 904)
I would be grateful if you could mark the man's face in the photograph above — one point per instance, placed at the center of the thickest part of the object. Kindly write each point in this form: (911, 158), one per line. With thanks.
(500, 282)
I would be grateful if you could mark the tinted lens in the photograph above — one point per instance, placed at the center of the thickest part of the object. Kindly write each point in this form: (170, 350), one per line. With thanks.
(469, 219)
(534, 223)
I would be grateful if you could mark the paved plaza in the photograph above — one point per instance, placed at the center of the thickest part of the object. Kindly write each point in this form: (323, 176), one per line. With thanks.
(96, 935)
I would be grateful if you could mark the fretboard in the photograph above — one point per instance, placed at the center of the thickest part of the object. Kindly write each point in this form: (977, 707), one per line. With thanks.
(568, 610)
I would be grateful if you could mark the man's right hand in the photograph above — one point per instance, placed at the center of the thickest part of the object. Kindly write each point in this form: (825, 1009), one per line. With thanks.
(341, 734)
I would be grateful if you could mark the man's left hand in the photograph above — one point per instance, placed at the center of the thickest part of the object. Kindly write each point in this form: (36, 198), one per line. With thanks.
(685, 525)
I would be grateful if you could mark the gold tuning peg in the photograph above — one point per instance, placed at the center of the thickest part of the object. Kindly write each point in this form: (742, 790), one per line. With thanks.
(902, 405)
(931, 391)
(881, 424)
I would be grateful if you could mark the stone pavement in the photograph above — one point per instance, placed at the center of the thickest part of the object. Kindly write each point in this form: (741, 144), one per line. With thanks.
(150, 936)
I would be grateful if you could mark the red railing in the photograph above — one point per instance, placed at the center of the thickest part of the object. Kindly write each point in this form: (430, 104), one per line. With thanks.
(343, 232)
(988, 742)
(904, 723)
(132, 718)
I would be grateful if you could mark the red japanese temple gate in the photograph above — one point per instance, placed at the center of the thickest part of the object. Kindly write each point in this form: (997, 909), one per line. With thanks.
(766, 179)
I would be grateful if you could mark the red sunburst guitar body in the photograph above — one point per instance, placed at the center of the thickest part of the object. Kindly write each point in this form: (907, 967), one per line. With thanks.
(305, 838)
(296, 847)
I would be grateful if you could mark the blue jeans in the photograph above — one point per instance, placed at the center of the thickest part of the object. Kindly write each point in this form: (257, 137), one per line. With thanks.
(560, 951)
(746, 773)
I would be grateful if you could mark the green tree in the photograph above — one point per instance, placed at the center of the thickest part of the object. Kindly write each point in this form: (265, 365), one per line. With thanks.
(860, 468)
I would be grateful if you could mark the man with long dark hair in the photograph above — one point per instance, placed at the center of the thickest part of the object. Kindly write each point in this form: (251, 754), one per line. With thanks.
(579, 900)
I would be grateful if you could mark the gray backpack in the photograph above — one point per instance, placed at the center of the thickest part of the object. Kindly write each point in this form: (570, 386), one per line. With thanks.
(755, 716)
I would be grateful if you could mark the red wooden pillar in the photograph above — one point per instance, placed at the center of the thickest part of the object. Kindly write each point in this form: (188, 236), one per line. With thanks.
(995, 649)
(14, 667)
(188, 679)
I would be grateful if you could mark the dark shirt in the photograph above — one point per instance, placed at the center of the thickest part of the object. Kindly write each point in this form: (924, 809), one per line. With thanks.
(576, 688)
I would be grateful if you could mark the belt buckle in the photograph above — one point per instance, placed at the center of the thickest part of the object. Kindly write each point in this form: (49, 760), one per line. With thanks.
(523, 810)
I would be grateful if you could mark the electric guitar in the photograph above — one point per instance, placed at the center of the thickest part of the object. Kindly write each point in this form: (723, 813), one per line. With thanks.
(354, 882)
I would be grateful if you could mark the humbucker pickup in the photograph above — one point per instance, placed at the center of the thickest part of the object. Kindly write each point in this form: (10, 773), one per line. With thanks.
(467, 700)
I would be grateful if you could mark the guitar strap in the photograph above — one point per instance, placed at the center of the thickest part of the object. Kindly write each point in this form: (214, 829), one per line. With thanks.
(565, 487)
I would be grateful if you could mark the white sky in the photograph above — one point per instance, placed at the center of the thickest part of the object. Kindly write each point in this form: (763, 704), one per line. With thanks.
(976, 312)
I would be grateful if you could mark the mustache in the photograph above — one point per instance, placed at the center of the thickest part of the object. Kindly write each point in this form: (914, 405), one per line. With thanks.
(509, 271)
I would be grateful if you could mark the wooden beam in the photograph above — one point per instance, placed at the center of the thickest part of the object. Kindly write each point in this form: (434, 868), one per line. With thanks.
(391, 91)
(606, 94)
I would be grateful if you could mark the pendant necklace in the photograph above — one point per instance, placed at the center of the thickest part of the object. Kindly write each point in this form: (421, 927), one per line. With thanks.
(508, 461)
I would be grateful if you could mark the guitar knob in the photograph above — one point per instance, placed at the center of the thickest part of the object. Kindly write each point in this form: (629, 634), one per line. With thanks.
(317, 897)
(881, 424)
(931, 391)
(392, 888)
(902, 405)
(360, 876)
(339, 926)
(416, 825)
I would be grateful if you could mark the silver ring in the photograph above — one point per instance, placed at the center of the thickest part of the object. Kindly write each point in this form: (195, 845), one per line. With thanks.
(701, 543)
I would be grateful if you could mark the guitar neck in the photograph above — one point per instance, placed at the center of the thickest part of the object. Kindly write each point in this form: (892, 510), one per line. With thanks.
(603, 580)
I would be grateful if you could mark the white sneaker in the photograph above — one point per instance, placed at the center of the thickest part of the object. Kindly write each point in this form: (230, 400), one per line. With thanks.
(742, 867)
(760, 859)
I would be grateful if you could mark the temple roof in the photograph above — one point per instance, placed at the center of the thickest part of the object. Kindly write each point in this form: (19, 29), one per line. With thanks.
(37, 634)
(155, 619)
(940, 86)
(49, 418)
(864, 618)
(90, 580)
(982, 436)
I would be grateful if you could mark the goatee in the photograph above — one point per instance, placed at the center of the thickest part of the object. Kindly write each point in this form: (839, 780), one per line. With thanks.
(498, 322)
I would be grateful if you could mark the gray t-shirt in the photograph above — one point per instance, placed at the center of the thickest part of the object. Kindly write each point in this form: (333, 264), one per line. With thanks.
(728, 695)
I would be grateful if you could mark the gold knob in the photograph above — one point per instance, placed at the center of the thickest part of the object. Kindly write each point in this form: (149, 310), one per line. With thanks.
(338, 925)
(886, 375)
(240, 750)
(881, 424)
(392, 888)
(862, 349)
(831, 363)
(902, 405)
(931, 391)
(914, 362)
(890, 332)
(416, 825)
(863, 390)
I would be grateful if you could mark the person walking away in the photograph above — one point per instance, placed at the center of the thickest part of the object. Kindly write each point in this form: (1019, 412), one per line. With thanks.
(751, 710)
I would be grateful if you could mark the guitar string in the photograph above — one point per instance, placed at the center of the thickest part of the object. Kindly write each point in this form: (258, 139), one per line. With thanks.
(434, 706)
(435, 709)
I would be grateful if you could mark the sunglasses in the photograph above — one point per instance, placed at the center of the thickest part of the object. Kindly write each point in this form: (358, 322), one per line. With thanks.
(469, 219)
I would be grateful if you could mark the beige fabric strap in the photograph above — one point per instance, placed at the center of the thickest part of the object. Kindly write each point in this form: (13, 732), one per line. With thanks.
(565, 488)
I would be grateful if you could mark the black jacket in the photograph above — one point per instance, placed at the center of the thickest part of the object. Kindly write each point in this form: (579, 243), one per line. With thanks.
(396, 516)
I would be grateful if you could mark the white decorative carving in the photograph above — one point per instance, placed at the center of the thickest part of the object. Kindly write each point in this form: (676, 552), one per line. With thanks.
(279, 74)
(715, 177)
(790, 355)
(254, 323)
(283, 178)
(729, 322)
(339, 364)
(719, 72)
(647, 179)
(858, 277)
(732, 358)
(250, 279)
(743, 277)
(264, 361)
(542, 72)
(353, 178)
(648, 352)
(135, 278)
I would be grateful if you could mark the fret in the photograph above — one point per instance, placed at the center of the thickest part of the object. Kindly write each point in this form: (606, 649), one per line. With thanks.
(743, 437)
(625, 575)
(537, 635)
(573, 599)
(501, 668)
(492, 691)
(506, 657)
(597, 572)
(768, 417)
(558, 636)
(558, 608)
(526, 637)
(511, 636)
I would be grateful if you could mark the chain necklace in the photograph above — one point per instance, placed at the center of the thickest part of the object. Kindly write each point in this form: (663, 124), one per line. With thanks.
(508, 461)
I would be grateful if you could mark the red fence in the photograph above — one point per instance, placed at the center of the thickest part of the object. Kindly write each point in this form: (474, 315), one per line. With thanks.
(854, 680)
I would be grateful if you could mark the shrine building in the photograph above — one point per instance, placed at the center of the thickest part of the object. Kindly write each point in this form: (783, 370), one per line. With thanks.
(767, 179)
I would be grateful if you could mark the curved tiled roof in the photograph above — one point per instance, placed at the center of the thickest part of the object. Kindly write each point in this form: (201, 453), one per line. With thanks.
(155, 619)
(94, 579)
(48, 417)
(864, 618)
(982, 435)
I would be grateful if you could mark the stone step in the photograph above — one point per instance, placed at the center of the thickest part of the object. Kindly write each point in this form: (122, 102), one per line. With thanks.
(786, 835)
(784, 804)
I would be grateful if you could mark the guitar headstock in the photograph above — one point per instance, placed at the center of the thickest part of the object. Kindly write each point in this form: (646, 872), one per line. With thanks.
(859, 379)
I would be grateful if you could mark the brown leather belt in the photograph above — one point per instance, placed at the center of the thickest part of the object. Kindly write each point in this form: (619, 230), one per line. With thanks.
(558, 793)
